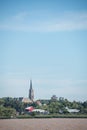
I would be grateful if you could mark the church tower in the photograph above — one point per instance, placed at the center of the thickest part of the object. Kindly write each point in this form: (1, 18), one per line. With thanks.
(31, 92)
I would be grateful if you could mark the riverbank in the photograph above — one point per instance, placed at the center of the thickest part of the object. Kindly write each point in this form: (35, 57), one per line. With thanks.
(44, 124)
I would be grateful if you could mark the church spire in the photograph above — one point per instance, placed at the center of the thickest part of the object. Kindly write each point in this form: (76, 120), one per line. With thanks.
(31, 92)
(30, 84)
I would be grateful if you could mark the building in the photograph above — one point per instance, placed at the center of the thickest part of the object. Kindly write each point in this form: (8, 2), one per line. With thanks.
(31, 92)
(54, 98)
(31, 109)
(30, 98)
(72, 110)
(26, 100)
(38, 103)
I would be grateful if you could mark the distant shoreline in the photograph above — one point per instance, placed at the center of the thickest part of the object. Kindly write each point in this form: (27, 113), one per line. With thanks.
(44, 116)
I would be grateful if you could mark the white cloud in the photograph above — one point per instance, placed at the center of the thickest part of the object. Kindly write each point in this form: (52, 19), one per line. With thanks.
(62, 22)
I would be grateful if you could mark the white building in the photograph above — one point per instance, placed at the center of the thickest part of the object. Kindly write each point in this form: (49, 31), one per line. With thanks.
(72, 110)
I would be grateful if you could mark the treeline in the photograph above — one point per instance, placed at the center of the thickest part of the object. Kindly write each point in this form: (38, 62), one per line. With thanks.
(11, 107)
(59, 106)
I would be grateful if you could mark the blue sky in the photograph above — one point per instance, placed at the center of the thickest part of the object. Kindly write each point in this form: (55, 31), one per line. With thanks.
(46, 41)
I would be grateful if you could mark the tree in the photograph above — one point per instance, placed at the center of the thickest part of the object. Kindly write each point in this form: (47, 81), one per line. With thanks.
(7, 112)
(54, 98)
(16, 104)
(1, 102)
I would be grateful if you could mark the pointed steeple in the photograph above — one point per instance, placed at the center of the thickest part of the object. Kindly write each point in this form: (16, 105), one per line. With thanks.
(31, 92)
(30, 84)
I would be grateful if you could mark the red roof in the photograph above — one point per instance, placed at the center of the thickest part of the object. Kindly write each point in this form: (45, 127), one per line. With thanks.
(29, 108)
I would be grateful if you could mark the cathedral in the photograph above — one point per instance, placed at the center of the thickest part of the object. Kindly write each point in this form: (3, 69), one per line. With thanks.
(31, 92)
(30, 98)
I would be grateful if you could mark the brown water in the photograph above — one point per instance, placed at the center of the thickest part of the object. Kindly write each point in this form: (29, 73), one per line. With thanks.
(43, 124)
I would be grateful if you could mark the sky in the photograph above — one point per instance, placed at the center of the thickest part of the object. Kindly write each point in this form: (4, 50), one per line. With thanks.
(46, 41)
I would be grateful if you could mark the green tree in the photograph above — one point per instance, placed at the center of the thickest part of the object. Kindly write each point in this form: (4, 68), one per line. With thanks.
(2, 102)
(7, 112)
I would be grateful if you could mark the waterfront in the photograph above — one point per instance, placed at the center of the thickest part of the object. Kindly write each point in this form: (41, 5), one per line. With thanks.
(44, 124)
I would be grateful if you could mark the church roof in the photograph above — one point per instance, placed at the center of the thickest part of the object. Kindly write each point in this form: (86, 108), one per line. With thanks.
(26, 100)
